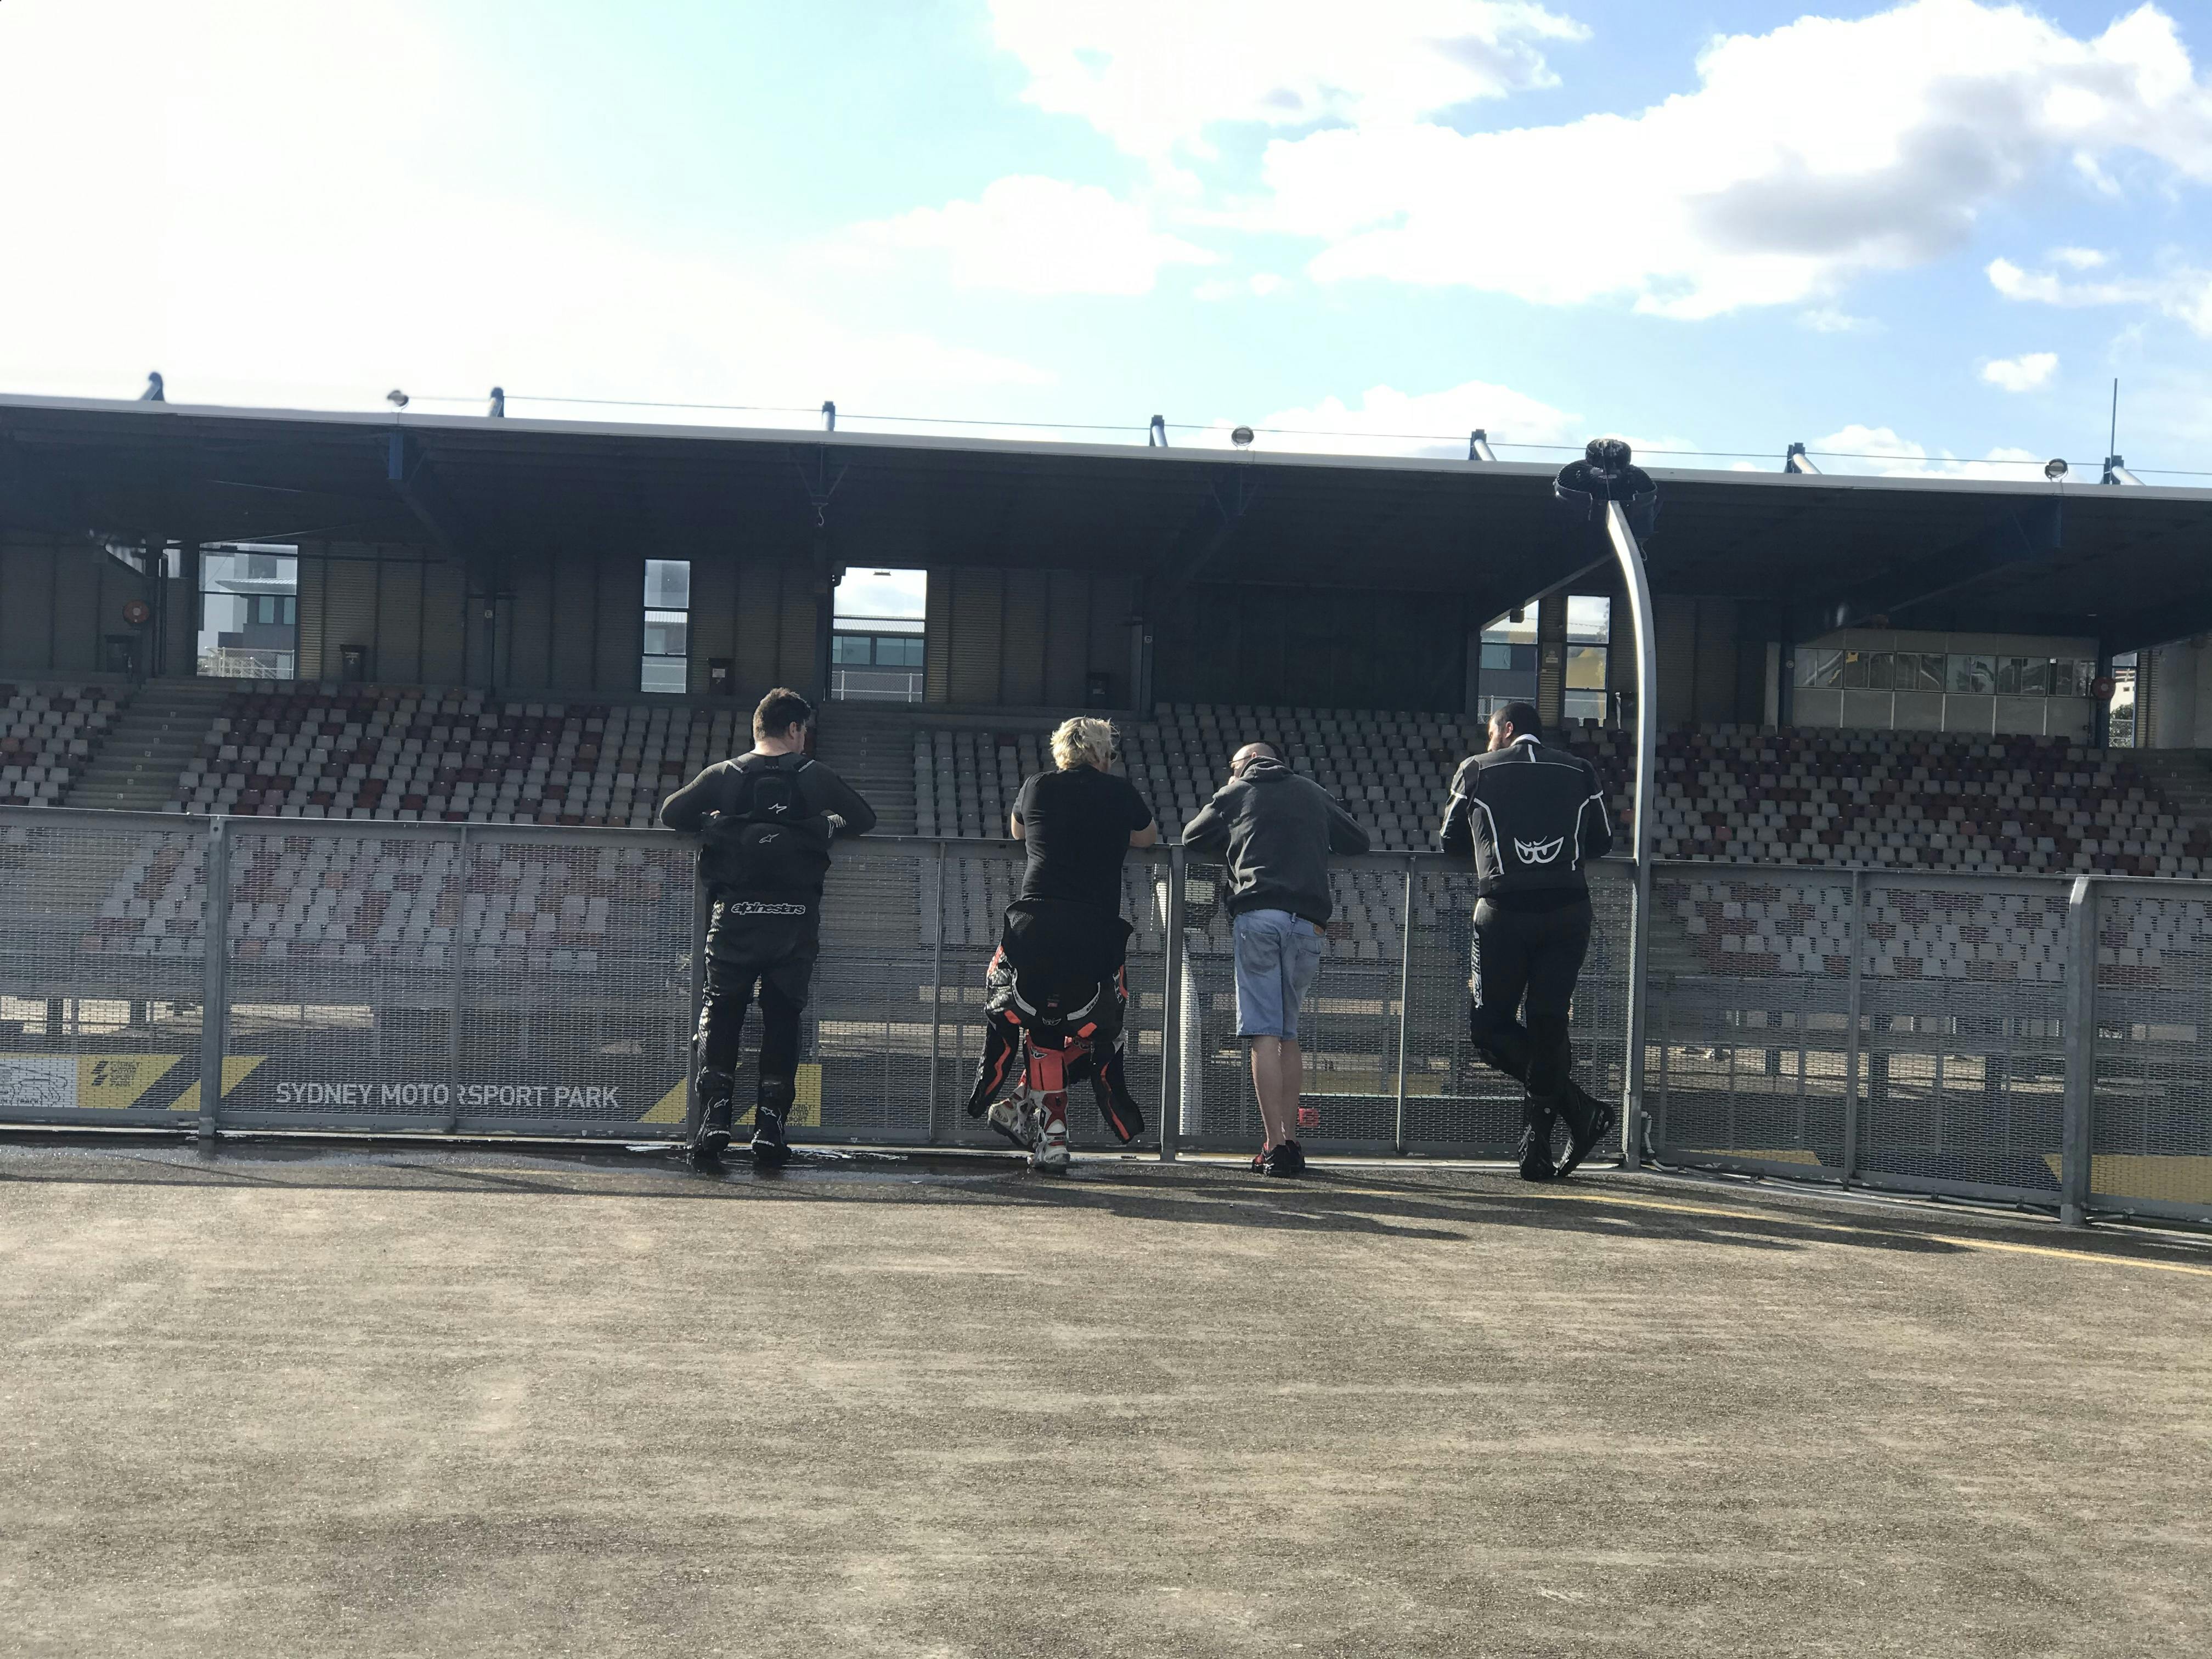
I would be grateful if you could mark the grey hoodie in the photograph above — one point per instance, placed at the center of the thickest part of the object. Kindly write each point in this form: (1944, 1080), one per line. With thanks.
(1278, 829)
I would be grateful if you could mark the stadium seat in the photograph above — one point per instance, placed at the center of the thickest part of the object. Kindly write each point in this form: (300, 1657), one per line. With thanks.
(370, 753)
(48, 735)
(401, 903)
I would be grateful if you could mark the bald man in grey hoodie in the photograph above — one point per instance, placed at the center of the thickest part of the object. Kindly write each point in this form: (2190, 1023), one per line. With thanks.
(1278, 829)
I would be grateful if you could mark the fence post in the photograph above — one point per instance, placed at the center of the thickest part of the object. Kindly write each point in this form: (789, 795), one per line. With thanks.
(215, 994)
(1405, 1006)
(1852, 1038)
(1171, 1016)
(2074, 1139)
(457, 1004)
(702, 908)
(936, 994)
(1639, 977)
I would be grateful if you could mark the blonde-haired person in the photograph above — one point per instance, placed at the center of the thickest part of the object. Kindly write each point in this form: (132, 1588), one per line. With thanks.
(1064, 936)
(1081, 741)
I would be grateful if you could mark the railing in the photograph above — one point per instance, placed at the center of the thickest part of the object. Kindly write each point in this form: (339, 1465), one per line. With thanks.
(228, 662)
(528, 980)
(876, 684)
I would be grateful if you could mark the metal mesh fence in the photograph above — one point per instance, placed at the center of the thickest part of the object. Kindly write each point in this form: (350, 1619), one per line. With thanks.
(1455, 1101)
(1747, 1022)
(334, 1018)
(1964, 1040)
(1347, 1025)
(2151, 1140)
(1895, 1028)
(458, 977)
(102, 968)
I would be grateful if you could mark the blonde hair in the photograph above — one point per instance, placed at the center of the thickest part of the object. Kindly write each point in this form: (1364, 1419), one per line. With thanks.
(1084, 742)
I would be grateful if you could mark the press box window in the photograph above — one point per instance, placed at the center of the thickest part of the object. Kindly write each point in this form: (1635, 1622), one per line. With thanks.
(667, 660)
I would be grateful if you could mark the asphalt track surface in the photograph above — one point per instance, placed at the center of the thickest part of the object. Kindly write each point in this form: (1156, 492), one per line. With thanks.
(397, 1402)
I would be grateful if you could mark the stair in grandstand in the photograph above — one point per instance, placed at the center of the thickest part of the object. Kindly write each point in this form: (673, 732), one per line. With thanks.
(135, 769)
(2183, 777)
(872, 749)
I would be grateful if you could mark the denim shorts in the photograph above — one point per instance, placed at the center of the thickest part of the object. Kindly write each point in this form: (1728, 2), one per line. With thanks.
(1276, 956)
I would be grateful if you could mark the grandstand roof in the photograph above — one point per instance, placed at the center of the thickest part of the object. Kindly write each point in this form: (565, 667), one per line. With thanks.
(2130, 564)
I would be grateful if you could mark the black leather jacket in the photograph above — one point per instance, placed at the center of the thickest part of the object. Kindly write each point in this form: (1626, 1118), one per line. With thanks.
(1529, 817)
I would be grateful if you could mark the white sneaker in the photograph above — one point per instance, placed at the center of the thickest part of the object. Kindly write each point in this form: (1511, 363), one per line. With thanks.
(1017, 1123)
(1050, 1154)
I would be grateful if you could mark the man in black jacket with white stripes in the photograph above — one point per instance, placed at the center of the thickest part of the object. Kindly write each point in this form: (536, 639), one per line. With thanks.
(1530, 817)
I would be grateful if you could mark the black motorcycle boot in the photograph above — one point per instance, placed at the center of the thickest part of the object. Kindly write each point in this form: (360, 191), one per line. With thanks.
(711, 1138)
(1534, 1151)
(770, 1115)
(1589, 1120)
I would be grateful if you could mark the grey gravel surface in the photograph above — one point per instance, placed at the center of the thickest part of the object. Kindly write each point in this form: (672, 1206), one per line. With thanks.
(291, 1401)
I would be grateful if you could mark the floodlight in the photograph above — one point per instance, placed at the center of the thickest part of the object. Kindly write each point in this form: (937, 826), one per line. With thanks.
(2054, 469)
(396, 398)
(1242, 437)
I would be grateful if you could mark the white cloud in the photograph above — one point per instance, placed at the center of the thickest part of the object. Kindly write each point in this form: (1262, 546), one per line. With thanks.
(1388, 421)
(1155, 74)
(2021, 374)
(1880, 451)
(269, 209)
(2080, 258)
(1032, 236)
(1828, 320)
(2184, 292)
(1824, 149)
(1258, 286)
(883, 594)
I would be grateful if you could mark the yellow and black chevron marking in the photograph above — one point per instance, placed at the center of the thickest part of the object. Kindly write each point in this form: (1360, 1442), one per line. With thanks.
(30, 1084)
(806, 1113)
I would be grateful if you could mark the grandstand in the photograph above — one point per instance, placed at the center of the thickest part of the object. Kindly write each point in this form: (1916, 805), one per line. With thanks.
(419, 756)
(1881, 704)
(48, 736)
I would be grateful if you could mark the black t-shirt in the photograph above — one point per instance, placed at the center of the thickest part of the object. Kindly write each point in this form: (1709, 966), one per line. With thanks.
(1077, 826)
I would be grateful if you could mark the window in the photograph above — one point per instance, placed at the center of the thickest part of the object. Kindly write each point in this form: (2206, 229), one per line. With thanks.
(2073, 678)
(1854, 675)
(876, 651)
(1973, 675)
(667, 660)
(2121, 711)
(1508, 673)
(1590, 634)
(249, 613)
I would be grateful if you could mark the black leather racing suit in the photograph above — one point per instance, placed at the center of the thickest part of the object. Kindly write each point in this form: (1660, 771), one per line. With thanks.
(1530, 817)
(762, 940)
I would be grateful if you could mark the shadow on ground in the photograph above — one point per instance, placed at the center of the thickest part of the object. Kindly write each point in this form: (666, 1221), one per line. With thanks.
(1435, 1202)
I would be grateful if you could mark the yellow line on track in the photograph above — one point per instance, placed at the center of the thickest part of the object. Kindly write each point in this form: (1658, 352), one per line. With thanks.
(2051, 1250)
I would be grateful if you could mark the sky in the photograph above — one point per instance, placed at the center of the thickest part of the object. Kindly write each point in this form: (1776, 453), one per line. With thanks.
(1917, 237)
